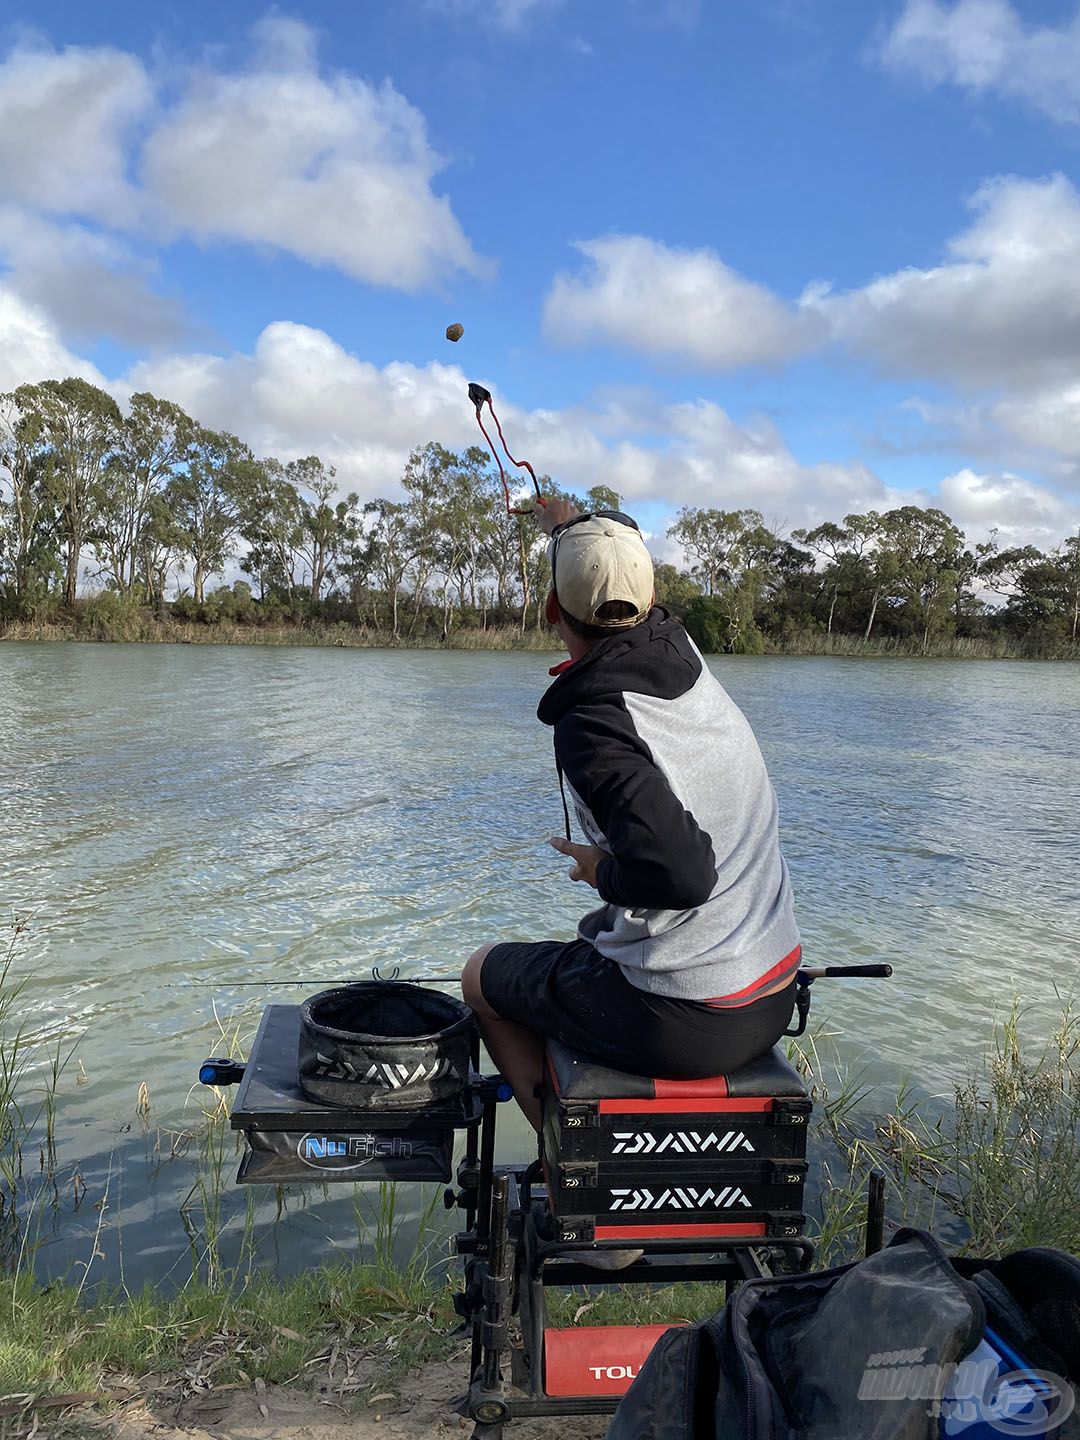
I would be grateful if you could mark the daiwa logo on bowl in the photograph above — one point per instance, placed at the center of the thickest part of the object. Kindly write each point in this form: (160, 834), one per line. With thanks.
(350, 1152)
(391, 1076)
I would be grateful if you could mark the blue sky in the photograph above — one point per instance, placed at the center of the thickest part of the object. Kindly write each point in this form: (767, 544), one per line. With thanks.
(809, 257)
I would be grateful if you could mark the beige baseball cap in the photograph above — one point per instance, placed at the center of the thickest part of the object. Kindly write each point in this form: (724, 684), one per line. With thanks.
(597, 558)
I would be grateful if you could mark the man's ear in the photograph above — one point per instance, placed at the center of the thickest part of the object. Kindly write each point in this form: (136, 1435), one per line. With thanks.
(551, 608)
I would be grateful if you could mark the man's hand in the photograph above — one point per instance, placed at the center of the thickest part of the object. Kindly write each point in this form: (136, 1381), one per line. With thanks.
(555, 511)
(585, 857)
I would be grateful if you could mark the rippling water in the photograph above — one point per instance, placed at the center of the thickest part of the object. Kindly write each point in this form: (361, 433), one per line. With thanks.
(196, 831)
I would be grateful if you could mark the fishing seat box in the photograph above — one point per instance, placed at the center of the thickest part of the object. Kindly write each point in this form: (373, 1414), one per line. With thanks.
(294, 1139)
(631, 1157)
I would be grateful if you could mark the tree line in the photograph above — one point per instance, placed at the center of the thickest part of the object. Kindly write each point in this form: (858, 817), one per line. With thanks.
(153, 507)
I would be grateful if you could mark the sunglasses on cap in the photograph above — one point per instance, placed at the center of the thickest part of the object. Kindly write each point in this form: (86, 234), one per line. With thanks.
(616, 515)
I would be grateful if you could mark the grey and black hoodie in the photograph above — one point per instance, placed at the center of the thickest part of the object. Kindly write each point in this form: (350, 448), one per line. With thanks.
(664, 773)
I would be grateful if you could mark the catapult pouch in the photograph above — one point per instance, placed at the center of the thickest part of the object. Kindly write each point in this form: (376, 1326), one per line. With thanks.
(384, 1045)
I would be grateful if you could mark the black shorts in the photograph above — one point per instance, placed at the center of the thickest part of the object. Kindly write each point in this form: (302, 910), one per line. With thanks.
(572, 993)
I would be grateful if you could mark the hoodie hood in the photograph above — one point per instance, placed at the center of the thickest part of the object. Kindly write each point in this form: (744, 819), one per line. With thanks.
(654, 658)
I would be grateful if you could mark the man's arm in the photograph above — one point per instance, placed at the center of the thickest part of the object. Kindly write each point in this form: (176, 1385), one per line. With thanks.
(660, 857)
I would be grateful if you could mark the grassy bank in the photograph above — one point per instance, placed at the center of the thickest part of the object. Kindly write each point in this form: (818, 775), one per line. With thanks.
(146, 629)
(950, 647)
(103, 619)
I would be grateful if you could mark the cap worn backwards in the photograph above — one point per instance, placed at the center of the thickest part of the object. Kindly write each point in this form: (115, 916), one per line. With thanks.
(598, 560)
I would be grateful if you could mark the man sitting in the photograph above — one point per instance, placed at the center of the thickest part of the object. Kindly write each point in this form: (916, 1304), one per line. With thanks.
(687, 969)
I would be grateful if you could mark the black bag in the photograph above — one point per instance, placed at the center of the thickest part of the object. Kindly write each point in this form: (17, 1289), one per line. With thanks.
(384, 1045)
(864, 1350)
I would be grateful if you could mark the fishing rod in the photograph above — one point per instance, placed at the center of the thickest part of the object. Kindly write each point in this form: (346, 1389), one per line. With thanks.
(376, 974)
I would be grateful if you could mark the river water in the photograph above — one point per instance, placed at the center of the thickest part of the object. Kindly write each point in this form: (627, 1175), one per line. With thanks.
(192, 832)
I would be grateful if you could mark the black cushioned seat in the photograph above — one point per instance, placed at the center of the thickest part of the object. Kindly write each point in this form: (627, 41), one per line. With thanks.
(575, 1078)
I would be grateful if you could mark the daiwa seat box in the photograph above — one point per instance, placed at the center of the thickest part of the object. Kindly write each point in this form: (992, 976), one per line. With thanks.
(627, 1156)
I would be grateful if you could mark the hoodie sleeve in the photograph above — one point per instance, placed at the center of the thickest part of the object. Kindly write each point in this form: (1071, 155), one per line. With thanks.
(660, 857)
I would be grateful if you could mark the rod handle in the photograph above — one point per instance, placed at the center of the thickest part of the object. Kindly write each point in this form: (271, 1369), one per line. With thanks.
(829, 972)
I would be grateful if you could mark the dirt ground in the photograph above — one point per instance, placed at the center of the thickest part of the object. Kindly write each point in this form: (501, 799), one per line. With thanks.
(420, 1408)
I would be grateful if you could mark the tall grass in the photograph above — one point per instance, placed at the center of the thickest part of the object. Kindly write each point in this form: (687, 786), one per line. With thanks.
(31, 1065)
(1015, 1151)
(93, 620)
(949, 647)
(997, 1170)
(145, 628)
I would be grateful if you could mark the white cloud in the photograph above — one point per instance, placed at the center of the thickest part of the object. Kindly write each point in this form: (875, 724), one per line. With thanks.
(89, 282)
(1004, 309)
(301, 393)
(1001, 310)
(1049, 419)
(323, 166)
(649, 297)
(509, 16)
(66, 122)
(1022, 512)
(985, 47)
(279, 154)
(31, 348)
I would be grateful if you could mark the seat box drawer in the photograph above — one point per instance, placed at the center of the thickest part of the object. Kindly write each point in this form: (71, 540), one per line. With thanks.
(633, 1227)
(655, 1131)
(716, 1188)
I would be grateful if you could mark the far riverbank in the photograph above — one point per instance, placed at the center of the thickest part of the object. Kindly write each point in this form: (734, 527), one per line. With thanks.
(90, 625)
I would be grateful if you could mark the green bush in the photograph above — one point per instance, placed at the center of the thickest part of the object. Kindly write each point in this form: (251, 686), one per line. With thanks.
(109, 616)
(708, 623)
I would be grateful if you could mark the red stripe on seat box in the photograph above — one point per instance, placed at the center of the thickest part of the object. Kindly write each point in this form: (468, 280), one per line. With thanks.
(715, 1086)
(675, 1231)
(596, 1359)
(747, 1104)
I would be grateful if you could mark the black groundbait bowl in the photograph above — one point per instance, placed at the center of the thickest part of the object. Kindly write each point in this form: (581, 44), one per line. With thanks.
(384, 1045)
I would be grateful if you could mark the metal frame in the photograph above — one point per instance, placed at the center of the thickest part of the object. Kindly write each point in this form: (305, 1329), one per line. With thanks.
(509, 1266)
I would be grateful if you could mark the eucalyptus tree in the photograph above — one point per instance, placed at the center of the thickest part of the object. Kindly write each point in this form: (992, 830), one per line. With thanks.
(925, 545)
(391, 540)
(674, 588)
(326, 530)
(1046, 594)
(603, 497)
(82, 425)
(28, 538)
(425, 481)
(840, 548)
(1067, 559)
(205, 502)
(270, 521)
(155, 443)
(503, 547)
(465, 520)
(1002, 571)
(732, 555)
(160, 549)
(721, 544)
(875, 564)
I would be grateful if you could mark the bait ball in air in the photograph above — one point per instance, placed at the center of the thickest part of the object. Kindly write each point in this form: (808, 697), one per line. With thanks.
(455, 332)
